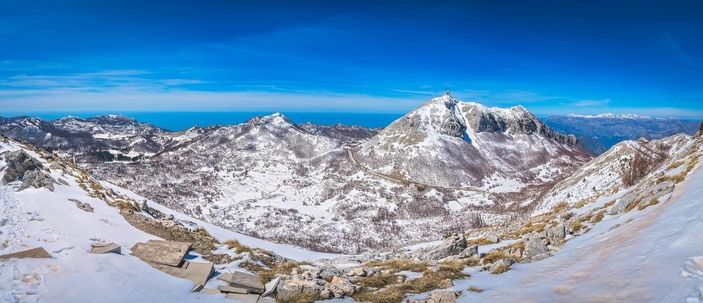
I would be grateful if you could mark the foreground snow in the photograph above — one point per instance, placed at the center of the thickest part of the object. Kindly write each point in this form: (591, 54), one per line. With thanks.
(654, 255)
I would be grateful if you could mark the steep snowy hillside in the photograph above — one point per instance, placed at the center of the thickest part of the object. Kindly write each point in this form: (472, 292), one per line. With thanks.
(450, 143)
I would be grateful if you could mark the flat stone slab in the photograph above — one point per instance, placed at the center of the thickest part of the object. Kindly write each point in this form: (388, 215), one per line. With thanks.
(36, 253)
(271, 286)
(266, 300)
(210, 291)
(230, 289)
(104, 248)
(243, 298)
(244, 280)
(197, 272)
(161, 252)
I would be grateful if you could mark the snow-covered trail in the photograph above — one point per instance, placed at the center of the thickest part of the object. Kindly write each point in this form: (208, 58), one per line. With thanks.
(656, 257)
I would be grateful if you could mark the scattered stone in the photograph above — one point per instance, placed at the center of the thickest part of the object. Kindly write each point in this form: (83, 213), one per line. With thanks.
(104, 248)
(161, 252)
(291, 287)
(244, 280)
(83, 206)
(329, 272)
(34, 253)
(357, 272)
(62, 181)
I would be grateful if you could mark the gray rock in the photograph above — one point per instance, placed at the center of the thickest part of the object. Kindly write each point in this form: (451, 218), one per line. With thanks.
(104, 248)
(357, 272)
(555, 233)
(37, 179)
(340, 287)
(492, 236)
(18, 163)
(455, 245)
(329, 272)
(534, 247)
(440, 296)
(501, 265)
(271, 286)
(290, 287)
(469, 252)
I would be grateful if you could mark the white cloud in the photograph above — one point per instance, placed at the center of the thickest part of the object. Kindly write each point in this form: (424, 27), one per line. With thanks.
(591, 102)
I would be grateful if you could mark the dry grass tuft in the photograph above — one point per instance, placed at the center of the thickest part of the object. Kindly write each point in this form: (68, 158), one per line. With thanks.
(238, 247)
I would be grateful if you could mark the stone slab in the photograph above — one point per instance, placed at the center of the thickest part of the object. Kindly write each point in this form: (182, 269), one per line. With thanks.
(266, 300)
(103, 248)
(244, 280)
(161, 252)
(197, 272)
(271, 286)
(230, 289)
(36, 253)
(250, 298)
(210, 291)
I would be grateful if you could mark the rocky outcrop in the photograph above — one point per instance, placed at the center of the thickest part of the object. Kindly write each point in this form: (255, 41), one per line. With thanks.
(440, 296)
(535, 248)
(23, 167)
(454, 245)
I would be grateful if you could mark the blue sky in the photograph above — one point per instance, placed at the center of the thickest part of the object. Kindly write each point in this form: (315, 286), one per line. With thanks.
(351, 56)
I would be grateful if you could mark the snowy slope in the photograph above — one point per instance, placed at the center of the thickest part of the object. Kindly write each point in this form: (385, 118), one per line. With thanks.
(37, 217)
(652, 255)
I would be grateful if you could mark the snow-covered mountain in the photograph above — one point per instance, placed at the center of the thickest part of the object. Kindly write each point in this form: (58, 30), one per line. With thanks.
(600, 132)
(449, 143)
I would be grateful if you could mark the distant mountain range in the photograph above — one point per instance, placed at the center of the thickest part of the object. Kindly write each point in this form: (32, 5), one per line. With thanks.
(600, 132)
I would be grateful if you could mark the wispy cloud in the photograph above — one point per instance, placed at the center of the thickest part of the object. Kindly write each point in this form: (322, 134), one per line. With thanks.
(591, 102)
(677, 50)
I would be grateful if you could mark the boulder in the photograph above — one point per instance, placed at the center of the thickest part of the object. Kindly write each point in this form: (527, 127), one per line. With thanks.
(291, 287)
(492, 236)
(357, 272)
(469, 252)
(555, 234)
(18, 163)
(501, 266)
(329, 272)
(535, 248)
(452, 246)
(37, 179)
(340, 287)
(230, 289)
(83, 206)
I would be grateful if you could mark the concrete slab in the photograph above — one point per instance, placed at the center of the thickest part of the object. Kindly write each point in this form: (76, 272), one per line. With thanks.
(243, 298)
(243, 280)
(36, 253)
(230, 289)
(103, 248)
(161, 252)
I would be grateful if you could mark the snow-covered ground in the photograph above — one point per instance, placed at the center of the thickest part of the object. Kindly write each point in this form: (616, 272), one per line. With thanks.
(653, 255)
(37, 217)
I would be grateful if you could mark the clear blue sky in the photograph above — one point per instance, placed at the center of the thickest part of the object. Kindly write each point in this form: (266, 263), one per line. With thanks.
(351, 56)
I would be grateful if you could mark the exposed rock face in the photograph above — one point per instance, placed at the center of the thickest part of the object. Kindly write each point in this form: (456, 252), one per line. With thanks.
(469, 252)
(468, 139)
(18, 163)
